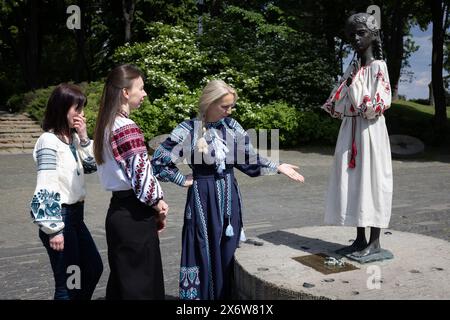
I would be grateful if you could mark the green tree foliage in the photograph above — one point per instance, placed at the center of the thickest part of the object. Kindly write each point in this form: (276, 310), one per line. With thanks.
(278, 62)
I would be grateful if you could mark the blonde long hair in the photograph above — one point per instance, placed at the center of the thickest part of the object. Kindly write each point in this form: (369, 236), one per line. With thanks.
(213, 91)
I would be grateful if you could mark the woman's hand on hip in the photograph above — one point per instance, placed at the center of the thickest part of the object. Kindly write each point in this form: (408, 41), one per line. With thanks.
(189, 181)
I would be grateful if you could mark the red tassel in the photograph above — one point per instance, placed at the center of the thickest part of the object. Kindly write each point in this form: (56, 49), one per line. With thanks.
(352, 163)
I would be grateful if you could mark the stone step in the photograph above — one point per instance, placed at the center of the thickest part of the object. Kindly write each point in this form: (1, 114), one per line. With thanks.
(14, 150)
(14, 116)
(18, 126)
(22, 122)
(13, 130)
(20, 139)
(16, 119)
(28, 135)
(18, 133)
(17, 145)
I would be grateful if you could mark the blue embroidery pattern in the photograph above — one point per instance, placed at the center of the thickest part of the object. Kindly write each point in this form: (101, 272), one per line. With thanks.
(220, 187)
(198, 206)
(46, 159)
(89, 165)
(189, 282)
(188, 213)
(45, 205)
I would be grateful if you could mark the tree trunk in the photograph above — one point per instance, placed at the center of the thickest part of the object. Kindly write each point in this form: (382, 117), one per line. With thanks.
(128, 7)
(216, 7)
(80, 38)
(430, 94)
(440, 117)
(394, 47)
(32, 52)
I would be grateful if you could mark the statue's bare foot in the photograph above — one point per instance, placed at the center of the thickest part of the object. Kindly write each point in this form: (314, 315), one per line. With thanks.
(369, 250)
(356, 246)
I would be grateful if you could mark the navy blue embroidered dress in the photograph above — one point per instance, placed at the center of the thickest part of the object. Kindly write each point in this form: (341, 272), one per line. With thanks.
(213, 212)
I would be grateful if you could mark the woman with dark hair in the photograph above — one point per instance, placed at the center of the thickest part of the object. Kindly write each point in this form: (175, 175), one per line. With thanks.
(63, 154)
(360, 186)
(137, 210)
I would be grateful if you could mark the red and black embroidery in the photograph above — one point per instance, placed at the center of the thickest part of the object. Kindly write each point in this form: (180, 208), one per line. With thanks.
(129, 151)
(127, 141)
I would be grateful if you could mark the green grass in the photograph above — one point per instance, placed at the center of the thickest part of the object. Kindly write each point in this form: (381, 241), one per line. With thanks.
(409, 118)
(416, 107)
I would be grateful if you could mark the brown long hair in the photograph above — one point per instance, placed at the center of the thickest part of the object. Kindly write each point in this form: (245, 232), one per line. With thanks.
(62, 98)
(119, 78)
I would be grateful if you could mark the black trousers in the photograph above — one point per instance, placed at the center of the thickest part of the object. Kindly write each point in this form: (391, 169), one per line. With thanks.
(133, 250)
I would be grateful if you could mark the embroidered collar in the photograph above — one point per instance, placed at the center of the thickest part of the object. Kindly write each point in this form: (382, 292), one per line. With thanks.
(215, 124)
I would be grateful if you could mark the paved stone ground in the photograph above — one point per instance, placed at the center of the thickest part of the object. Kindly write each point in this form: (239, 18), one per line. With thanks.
(421, 205)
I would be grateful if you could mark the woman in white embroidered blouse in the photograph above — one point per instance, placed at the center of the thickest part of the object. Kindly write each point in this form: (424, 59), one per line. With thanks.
(62, 155)
(137, 210)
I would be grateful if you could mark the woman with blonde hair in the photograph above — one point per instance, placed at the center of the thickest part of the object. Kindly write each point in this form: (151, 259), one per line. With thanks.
(213, 144)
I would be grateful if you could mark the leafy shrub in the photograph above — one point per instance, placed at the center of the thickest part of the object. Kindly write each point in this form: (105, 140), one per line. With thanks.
(170, 60)
(296, 127)
(274, 61)
(277, 72)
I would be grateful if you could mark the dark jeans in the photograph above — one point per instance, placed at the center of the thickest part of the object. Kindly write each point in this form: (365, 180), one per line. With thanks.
(79, 252)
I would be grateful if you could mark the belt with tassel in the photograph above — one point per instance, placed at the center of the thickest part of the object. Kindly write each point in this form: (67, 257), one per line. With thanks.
(354, 150)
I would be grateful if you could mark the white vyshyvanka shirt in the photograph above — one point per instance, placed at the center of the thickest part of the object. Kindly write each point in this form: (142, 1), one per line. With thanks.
(60, 178)
(360, 184)
(126, 163)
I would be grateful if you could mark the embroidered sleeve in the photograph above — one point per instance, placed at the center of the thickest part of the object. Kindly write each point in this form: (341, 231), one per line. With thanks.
(247, 159)
(86, 153)
(46, 202)
(171, 152)
(371, 93)
(130, 153)
(337, 102)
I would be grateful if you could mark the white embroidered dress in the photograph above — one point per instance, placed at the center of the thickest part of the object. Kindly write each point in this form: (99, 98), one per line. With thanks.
(360, 184)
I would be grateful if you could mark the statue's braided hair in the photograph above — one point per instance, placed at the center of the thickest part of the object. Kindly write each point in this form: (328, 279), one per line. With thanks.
(370, 22)
(378, 49)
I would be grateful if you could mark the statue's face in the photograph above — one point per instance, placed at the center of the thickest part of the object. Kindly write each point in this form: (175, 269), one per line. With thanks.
(359, 36)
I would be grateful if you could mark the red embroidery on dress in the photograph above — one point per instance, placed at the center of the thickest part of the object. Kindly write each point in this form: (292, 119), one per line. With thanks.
(380, 75)
(366, 99)
(127, 141)
(338, 92)
(387, 87)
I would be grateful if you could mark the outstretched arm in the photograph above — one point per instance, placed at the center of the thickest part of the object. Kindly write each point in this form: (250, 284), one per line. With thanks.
(289, 171)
